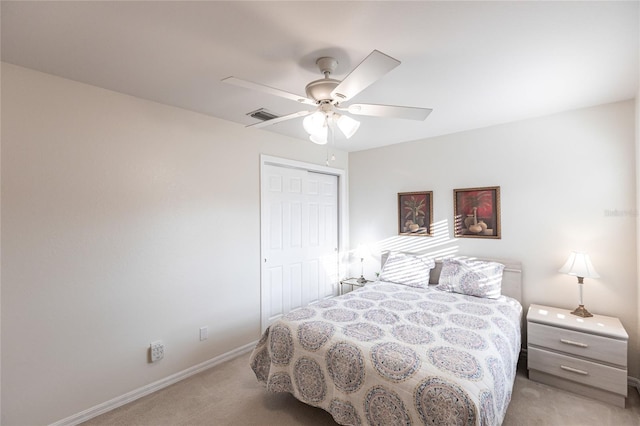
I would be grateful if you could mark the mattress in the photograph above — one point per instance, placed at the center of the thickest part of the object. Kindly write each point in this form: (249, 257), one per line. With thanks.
(389, 354)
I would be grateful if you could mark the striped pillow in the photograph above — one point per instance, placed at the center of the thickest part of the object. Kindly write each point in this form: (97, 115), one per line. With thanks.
(406, 269)
(472, 277)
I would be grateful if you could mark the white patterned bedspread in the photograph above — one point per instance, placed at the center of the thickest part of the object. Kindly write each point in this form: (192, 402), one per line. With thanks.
(388, 354)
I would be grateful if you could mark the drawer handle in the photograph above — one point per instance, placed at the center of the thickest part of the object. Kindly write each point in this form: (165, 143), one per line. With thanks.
(574, 370)
(571, 342)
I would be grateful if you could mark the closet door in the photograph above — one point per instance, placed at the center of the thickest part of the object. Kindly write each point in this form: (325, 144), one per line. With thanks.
(299, 239)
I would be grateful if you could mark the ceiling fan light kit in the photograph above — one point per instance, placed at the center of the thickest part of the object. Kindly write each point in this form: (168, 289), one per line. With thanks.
(327, 94)
(347, 125)
(320, 139)
(318, 123)
(316, 126)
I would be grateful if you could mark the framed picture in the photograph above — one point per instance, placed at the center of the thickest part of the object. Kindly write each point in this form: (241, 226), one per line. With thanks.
(477, 212)
(415, 213)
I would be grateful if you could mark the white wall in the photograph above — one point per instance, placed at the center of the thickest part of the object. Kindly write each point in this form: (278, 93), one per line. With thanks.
(567, 182)
(637, 346)
(124, 221)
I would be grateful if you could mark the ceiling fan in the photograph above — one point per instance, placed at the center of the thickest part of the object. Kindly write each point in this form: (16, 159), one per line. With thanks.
(328, 95)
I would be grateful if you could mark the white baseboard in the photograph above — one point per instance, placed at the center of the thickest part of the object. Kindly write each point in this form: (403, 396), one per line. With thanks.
(152, 387)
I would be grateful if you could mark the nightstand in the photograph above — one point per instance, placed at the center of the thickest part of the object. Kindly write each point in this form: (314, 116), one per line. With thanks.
(353, 282)
(587, 356)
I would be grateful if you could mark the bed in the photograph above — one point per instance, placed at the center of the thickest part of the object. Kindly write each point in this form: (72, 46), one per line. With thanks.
(430, 342)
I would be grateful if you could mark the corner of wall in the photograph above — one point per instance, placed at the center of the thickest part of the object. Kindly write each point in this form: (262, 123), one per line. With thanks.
(637, 116)
(638, 215)
(0, 246)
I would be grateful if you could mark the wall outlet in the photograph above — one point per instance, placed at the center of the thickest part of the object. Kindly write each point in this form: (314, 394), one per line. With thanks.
(157, 351)
(204, 333)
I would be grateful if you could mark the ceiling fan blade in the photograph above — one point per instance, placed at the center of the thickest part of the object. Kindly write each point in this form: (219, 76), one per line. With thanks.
(279, 119)
(367, 72)
(389, 111)
(266, 89)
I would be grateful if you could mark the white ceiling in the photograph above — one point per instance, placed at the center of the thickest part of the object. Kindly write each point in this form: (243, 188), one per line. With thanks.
(475, 63)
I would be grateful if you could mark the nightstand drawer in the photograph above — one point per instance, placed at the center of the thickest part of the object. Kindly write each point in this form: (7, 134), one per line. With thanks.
(578, 370)
(598, 348)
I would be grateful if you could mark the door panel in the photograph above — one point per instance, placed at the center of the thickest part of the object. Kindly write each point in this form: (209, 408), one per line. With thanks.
(275, 287)
(300, 214)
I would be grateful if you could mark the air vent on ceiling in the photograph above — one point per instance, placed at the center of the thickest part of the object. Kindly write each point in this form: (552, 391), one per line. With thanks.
(262, 114)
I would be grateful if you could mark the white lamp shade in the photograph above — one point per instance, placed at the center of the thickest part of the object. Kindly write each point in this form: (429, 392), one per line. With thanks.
(320, 137)
(316, 125)
(579, 265)
(347, 125)
(362, 251)
(313, 123)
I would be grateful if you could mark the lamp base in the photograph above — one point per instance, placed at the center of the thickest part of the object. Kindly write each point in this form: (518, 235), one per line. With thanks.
(581, 311)
(362, 279)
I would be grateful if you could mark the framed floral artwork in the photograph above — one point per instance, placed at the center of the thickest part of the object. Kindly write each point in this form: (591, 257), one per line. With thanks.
(415, 213)
(477, 212)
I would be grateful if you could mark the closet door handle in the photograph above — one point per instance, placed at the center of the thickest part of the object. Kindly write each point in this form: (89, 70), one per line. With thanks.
(574, 370)
(572, 343)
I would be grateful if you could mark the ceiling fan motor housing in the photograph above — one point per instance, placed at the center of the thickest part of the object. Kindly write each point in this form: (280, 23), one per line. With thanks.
(320, 90)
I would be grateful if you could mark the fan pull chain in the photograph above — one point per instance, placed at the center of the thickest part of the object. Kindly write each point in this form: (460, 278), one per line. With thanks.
(333, 143)
(333, 135)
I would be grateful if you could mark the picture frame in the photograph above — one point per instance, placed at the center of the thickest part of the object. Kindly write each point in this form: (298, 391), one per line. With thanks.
(477, 212)
(415, 213)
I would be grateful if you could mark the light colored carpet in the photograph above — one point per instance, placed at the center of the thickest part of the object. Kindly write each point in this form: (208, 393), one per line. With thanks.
(229, 394)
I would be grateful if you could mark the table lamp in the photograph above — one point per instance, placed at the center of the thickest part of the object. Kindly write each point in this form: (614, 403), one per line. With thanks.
(362, 251)
(579, 265)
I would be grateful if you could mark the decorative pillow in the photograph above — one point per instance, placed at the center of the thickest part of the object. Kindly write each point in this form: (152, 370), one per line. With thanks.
(406, 269)
(472, 277)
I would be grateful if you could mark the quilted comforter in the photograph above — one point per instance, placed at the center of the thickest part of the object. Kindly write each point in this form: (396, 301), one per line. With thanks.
(388, 354)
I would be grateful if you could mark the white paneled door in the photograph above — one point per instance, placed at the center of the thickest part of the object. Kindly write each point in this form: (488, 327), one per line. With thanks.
(299, 239)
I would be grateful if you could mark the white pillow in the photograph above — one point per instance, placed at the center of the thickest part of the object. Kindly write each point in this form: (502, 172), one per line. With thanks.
(406, 269)
(472, 277)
